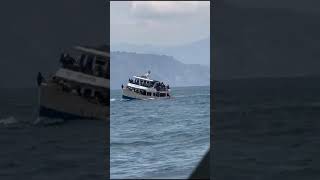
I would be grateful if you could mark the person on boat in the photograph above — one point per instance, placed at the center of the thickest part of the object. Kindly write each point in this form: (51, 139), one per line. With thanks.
(40, 78)
(81, 62)
(70, 60)
(66, 58)
(62, 59)
(121, 86)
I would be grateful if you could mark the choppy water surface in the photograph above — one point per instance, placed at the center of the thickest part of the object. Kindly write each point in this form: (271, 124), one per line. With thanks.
(159, 138)
(51, 148)
(267, 129)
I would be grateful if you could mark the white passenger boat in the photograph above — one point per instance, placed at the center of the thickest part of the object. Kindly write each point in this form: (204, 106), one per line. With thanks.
(80, 88)
(142, 87)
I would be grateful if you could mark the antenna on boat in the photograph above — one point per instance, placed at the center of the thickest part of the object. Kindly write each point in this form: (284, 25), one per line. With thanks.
(147, 74)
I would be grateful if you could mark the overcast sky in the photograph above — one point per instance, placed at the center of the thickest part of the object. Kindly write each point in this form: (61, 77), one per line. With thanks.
(159, 22)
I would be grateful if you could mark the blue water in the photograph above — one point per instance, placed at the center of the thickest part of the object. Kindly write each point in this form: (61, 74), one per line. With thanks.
(159, 138)
(267, 129)
(51, 149)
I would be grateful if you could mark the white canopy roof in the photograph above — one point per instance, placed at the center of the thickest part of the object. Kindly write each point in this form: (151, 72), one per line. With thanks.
(92, 51)
(146, 79)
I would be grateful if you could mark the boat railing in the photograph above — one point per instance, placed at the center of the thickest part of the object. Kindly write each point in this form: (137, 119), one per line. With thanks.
(74, 65)
(158, 86)
(97, 73)
(65, 87)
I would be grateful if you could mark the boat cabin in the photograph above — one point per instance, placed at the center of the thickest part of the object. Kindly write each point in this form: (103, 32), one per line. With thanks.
(142, 81)
(84, 72)
(87, 60)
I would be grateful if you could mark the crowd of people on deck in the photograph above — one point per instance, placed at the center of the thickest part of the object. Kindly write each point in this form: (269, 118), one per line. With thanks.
(69, 62)
(160, 86)
(141, 83)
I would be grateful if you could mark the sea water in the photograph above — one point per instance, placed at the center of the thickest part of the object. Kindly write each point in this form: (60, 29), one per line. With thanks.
(159, 138)
(267, 128)
(264, 129)
(49, 148)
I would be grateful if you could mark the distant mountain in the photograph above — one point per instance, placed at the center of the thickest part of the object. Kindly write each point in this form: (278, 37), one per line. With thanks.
(164, 68)
(197, 52)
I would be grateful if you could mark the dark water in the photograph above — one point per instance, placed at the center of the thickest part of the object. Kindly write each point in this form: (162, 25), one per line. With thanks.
(52, 149)
(159, 138)
(267, 129)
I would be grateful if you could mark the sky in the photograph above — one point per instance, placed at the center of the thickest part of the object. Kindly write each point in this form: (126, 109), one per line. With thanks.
(159, 22)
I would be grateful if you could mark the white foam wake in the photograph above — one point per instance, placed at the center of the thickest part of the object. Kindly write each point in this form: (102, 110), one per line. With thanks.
(8, 120)
(47, 121)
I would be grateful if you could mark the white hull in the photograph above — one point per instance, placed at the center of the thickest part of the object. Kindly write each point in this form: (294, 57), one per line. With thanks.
(127, 94)
(54, 101)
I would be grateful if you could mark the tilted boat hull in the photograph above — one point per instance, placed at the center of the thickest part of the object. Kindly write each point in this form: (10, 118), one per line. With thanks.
(54, 103)
(127, 97)
(52, 113)
(127, 94)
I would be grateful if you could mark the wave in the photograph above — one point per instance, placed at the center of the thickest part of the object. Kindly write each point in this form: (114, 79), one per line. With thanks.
(9, 120)
(269, 107)
(48, 121)
(148, 99)
(286, 106)
(181, 96)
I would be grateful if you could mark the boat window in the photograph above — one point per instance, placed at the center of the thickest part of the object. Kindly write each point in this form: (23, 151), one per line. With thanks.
(154, 94)
(87, 92)
(88, 66)
(162, 94)
(81, 60)
(90, 60)
(148, 93)
(97, 94)
(100, 61)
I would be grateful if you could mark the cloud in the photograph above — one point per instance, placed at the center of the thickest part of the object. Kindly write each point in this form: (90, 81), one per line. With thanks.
(159, 22)
(167, 9)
